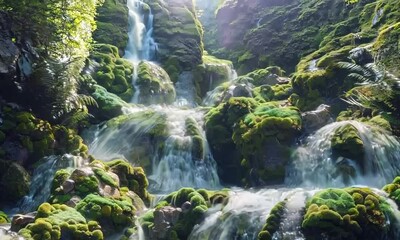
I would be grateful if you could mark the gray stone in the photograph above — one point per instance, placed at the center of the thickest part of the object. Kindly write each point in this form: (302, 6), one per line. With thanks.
(316, 119)
(68, 186)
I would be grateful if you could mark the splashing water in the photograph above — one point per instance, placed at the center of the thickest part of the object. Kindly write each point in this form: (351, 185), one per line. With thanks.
(185, 90)
(314, 165)
(40, 187)
(172, 162)
(243, 216)
(141, 45)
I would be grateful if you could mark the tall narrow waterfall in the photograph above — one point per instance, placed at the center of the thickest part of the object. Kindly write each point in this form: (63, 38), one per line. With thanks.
(141, 45)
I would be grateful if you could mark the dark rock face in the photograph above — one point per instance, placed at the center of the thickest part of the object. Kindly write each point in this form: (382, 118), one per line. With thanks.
(16, 59)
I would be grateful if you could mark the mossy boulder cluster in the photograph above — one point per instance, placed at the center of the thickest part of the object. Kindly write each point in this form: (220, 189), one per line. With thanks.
(348, 213)
(24, 140)
(252, 139)
(176, 215)
(111, 71)
(91, 202)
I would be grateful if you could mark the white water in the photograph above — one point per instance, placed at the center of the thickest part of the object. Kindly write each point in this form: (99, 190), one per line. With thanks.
(186, 90)
(40, 187)
(244, 215)
(141, 45)
(174, 166)
(216, 95)
(313, 163)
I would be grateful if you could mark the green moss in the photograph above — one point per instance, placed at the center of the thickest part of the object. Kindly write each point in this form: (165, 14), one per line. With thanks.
(155, 85)
(393, 189)
(350, 213)
(58, 222)
(273, 222)
(199, 200)
(111, 71)
(4, 218)
(14, 181)
(119, 212)
(347, 143)
(112, 24)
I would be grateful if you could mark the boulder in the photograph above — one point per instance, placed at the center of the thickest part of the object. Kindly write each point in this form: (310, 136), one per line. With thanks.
(313, 120)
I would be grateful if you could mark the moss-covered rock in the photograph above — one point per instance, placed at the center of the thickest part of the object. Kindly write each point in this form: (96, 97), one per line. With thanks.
(250, 140)
(4, 218)
(211, 73)
(112, 24)
(111, 71)
(154, 85)
(273, 222)
(179, 34)
(347, 143)
(109, 105)
(36, 138)
(393, 189)
(14, 181)
(54, 222)
(180, 211)
(350, 213)
(112, 214)
(116, 179)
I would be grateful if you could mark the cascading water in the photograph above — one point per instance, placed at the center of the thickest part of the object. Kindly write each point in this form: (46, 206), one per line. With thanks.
(315, 165)
(141, 45)
(40, 187)
(245, 214)
(172, 162)
(214, 96)
(186, 90)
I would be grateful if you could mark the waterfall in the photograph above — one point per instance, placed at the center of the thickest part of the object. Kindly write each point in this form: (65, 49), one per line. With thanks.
(141, 45)
(173, 164)
(185, 90)
(40, 186)
(243, 216)
(216, 95)
(315, 165)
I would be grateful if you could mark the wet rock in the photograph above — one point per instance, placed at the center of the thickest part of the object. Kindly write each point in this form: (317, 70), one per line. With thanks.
(242, 90)
(81, 173)
(108, 191)
(164, 218)
(316, 119)
(73, 201)
(186, 206)
(14, 181)
(68, 186)
(361, 56)
(21, 220)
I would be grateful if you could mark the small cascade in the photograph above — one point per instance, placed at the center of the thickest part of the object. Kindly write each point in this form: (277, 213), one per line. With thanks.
(173, 164)
(290, 225)
(216, 95)
(315, 165)
(40, 187)
(313, 65)
(5, 234)
(141, 45)
(185, 90)
(243, 216)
